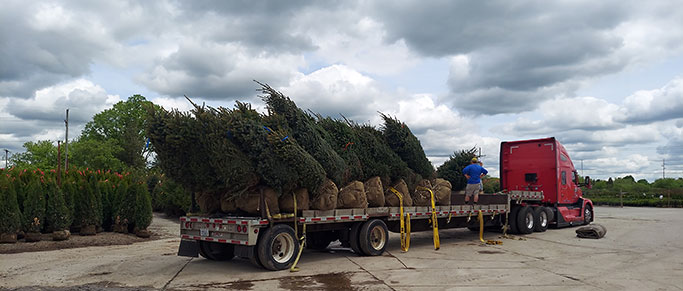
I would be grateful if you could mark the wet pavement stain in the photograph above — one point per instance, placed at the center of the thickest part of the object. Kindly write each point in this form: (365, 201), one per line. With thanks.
(240, 285)
(330, 282)
(491, 252)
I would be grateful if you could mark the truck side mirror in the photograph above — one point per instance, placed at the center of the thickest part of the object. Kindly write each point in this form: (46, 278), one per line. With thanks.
(588, 182)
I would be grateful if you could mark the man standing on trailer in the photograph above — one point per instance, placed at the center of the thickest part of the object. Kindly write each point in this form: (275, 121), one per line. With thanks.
(473, 173)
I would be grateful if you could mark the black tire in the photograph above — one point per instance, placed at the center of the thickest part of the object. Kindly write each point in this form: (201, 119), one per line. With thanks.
(587, 214)
(373, 238)
(541, 219)
(278, 247)
(512, 219)
(354, 242)
(216, 251)
(319, 240)
(253, 258)
(525, 220)
(551, 214)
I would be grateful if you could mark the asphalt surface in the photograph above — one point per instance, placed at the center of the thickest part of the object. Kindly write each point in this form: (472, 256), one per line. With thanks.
(643, 250)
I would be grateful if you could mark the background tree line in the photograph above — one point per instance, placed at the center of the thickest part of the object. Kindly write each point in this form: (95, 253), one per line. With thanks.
(667, 192)
(115, 140)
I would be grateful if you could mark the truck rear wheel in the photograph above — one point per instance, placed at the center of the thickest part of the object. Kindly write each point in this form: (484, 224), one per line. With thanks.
(512, 219)
(216, 251)
(540, 219)
(525, 220)
(277, 248)
(373, 237)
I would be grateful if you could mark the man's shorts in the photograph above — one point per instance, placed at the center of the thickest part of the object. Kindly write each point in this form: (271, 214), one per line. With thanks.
(471, 189)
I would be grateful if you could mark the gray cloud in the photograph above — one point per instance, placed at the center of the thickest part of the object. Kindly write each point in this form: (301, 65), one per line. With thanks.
(655, 105)
(215, 71)
(84, 105)
(42, 45)
(518, 54)
(269, 26)
(441, 28)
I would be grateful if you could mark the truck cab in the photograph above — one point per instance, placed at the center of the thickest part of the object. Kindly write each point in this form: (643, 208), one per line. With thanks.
(543, 165)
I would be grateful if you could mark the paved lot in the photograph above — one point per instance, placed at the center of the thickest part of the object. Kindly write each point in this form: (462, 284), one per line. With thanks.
(643, 250)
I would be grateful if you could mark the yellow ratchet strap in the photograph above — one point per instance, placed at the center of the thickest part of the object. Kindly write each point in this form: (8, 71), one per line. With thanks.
(481, 232)
(404, 222)
(270, 217)
(302, 239)
(506, 226)
(435, 221)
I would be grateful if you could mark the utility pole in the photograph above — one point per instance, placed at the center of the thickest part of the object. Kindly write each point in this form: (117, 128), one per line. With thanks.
(59, 163)
(479, 152)
(582, 167)
(66, 142)
(663, 168)
(6, 153)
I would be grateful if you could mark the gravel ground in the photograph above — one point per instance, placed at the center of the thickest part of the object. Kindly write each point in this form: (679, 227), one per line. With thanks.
(78, 241)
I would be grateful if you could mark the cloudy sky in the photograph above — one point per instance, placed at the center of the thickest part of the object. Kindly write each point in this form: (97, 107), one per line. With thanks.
(605, 77)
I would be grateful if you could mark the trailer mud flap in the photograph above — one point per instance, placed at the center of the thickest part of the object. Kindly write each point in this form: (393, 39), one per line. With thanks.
(188, 248)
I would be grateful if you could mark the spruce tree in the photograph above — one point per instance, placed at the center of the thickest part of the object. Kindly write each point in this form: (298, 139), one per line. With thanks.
(9, 209)
(404, 143)
(307, 133)
(57, 213)
(143, 207)
(34, 207)
(85, 204)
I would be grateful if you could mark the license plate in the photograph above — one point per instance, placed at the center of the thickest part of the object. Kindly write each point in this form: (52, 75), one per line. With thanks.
(203, 232)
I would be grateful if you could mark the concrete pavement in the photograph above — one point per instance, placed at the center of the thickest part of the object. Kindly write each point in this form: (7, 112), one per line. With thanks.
(643, 250)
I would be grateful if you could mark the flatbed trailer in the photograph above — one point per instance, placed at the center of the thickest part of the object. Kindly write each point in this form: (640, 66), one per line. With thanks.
(540, 188)
(273, 242)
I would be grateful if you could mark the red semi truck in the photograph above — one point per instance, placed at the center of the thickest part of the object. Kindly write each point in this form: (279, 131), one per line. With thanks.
(543, 165)
(540, 188)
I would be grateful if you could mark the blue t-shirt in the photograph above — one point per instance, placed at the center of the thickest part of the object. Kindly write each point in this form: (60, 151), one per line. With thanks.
(474, 170)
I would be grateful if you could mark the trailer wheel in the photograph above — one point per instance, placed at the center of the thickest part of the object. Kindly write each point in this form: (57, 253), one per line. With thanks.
(587, 214)
(253, 258)
(525, 220)
(373, 237)
(354, 238)
(253, 253)
(216, 251)
(277, 248)
(512, 219)
(540, 219)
